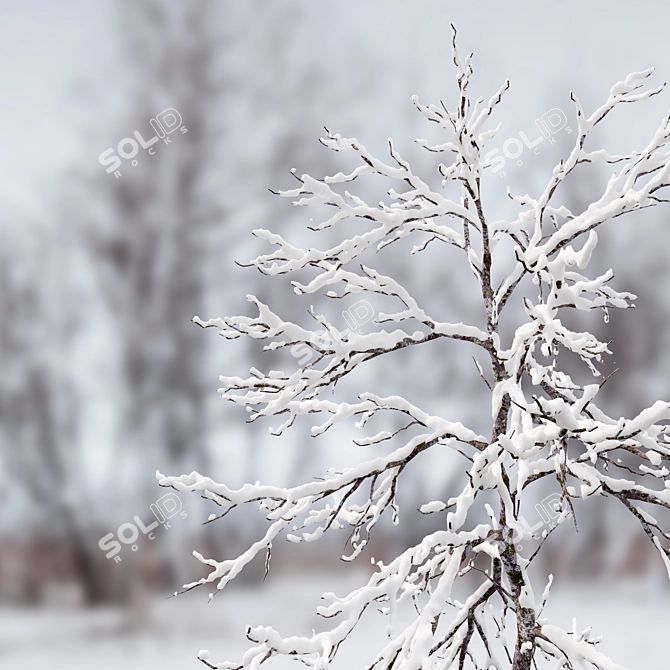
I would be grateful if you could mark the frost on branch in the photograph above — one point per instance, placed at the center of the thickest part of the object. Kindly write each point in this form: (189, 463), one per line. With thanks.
(544, 423)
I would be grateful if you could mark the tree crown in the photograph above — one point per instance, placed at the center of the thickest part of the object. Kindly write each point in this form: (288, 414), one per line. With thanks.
(544, 424)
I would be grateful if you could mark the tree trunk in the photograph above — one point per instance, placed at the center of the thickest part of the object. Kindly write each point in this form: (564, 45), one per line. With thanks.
(525, 616)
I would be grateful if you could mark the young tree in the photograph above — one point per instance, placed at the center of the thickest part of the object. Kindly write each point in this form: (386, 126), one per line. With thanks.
(545, 424)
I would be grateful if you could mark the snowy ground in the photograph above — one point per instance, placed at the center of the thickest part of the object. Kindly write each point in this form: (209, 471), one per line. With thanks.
(633, 620)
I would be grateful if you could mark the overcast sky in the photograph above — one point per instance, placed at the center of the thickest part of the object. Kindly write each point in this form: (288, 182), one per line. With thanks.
(48, 50)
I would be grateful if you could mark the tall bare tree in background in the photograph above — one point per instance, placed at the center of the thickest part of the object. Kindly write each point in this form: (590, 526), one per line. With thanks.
(37, 412)
(151, 249)
(164, 225)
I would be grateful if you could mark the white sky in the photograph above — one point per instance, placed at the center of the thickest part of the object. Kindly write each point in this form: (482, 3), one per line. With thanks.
(48, 48)
(45, 47)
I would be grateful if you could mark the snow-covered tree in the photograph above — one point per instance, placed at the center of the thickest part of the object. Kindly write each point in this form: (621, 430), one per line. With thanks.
(545, 424)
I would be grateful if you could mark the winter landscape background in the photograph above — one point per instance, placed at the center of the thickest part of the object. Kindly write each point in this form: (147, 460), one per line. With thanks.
(104, 378)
